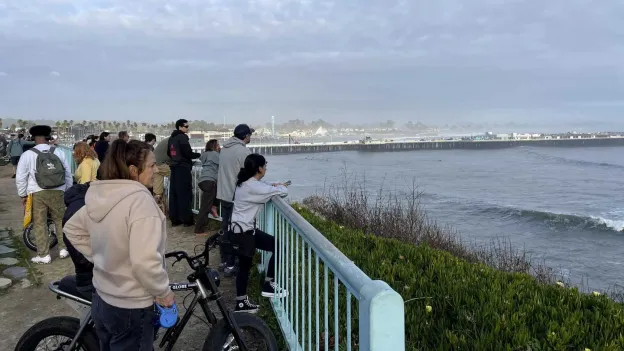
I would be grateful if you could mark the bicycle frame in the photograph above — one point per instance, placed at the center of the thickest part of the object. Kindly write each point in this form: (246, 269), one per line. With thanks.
(201, 297)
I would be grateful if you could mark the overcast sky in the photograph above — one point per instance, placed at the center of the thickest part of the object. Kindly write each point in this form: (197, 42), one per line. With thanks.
(349, 60)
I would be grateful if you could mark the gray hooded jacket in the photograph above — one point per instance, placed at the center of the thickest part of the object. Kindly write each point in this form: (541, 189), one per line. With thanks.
(231, 160)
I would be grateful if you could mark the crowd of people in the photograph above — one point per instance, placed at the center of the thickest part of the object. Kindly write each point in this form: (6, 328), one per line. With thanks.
(109, 220)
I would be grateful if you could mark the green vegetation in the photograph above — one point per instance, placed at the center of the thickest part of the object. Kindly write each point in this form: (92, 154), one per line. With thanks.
(452, 304)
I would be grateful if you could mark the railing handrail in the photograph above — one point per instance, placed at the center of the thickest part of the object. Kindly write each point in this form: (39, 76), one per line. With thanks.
(350, 274)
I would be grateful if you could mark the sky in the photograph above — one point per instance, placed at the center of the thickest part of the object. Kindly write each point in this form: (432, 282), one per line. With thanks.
(442, 61)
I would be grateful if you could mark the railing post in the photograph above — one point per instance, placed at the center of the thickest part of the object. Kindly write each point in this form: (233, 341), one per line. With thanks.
(382, 318)
(269, 228)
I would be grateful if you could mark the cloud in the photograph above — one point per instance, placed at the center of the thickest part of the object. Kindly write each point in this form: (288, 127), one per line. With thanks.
(483, 51)
(3, 74)
(54, 74)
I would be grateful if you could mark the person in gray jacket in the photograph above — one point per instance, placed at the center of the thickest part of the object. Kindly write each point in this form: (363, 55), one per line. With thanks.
(231, 160)
(208, 184)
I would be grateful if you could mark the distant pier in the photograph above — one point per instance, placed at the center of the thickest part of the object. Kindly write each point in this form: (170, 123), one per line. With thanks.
(431, 145)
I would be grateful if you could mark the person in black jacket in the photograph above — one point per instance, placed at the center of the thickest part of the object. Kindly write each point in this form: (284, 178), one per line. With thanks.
(101, 146)
(181, 181)
(74, 200)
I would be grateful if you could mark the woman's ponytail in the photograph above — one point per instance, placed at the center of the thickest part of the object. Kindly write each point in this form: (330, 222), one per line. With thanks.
(120, 156)
(253, 163)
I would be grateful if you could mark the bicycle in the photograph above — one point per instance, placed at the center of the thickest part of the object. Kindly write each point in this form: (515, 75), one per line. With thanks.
(5, 160)
(29, 237)
(225, 334)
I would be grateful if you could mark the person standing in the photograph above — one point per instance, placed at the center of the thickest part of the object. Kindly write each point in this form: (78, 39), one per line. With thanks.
(150, 139)
(44, 172)
(87, 162)
(15, 150)
(102, 145)
(162, 163)
(208, 184)
(181, 180)
(123, 135)
(123, 232)
(231, 160)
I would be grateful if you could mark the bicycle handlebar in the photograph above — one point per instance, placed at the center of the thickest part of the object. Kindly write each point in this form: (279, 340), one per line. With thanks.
(211, 242)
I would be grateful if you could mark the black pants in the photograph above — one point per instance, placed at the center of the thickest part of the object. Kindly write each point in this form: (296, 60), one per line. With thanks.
(226, 216)
(264, 242)
(209, 192)
(180, 195)
(123, 329)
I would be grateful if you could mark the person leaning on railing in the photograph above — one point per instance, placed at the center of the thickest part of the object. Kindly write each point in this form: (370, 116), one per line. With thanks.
(250, 195)
(123, 232)
(208, 184)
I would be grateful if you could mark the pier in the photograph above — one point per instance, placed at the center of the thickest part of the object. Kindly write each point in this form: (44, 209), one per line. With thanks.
(381, 146)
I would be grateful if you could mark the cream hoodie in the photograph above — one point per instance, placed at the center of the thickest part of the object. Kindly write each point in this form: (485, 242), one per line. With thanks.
(123, 232)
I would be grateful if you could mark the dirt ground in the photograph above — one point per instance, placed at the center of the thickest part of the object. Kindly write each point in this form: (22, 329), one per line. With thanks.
(20, 307)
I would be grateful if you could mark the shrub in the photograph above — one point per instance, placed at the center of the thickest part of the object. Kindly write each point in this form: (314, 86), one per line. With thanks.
(455, 304)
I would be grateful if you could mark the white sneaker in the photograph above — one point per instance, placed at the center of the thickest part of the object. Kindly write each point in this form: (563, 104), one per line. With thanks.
(41, 260)
(63, 253)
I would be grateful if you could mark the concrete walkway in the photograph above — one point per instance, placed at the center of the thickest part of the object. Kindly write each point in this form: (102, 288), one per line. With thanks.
(21, 307)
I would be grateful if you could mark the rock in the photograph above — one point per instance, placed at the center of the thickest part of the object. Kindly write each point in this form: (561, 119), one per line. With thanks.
(4, 283)
(9, 261)
(6, 242)
(25, 284)
(16, 272)
(7, 252)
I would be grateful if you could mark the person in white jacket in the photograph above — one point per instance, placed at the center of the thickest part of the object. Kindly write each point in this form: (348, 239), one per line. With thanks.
(249, 196)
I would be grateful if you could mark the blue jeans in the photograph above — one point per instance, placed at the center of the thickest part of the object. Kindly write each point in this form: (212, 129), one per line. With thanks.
(122, 329)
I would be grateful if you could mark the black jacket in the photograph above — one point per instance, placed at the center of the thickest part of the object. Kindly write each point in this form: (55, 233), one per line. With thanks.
(180, 151)
(74, 200)
(100, 149)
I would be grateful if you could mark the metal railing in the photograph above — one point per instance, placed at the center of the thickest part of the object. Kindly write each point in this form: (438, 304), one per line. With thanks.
(330, 301)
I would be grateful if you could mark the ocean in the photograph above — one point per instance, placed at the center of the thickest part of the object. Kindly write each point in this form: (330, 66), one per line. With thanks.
(562, 205)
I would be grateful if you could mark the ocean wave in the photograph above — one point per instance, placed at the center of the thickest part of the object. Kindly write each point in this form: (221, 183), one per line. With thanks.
(546, 157)
(560, 220)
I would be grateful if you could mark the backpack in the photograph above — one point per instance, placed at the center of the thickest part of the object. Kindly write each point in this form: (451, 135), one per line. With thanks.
(49, 170)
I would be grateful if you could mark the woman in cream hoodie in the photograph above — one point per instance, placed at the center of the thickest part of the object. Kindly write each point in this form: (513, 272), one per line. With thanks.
(122, 231)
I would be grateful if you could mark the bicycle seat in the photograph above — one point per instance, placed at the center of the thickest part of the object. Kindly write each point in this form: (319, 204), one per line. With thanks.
(68, 285)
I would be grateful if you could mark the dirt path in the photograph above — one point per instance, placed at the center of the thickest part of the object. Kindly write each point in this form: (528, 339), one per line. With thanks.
(21, 307)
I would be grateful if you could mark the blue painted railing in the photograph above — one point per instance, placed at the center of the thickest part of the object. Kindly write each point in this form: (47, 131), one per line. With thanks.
(331, 302)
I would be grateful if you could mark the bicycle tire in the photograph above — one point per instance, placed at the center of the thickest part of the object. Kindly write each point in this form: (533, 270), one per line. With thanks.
(29, 237)
(219, 334)
(57, 326)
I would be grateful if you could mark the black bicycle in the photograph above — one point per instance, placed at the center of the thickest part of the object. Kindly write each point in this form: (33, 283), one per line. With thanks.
(29, 237)
(235, 331)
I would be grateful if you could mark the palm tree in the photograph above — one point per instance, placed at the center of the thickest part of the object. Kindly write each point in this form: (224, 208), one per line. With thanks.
(0, 123)
(12, 127)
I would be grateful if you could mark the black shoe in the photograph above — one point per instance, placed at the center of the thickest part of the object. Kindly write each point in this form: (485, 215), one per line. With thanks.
(175, 224)
(230, 271)
(246, 306)
(13, 176)
(222, 266)
(271, 289)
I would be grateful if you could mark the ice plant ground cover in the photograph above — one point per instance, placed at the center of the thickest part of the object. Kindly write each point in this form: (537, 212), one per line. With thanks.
(454, 304)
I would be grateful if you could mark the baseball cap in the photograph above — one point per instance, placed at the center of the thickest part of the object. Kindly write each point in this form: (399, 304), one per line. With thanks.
(242, 130)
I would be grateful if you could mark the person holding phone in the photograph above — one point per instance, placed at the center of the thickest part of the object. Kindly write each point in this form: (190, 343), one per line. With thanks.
(250, 195)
